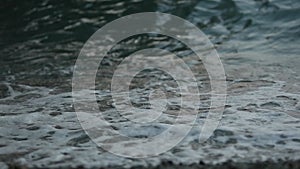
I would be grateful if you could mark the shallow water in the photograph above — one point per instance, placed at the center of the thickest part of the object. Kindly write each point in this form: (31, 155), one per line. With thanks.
(258, 44)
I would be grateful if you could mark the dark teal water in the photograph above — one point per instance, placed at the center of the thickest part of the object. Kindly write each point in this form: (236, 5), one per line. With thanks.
(41, 39)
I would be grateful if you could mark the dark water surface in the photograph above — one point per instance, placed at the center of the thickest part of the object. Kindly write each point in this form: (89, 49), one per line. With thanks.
(258, 42)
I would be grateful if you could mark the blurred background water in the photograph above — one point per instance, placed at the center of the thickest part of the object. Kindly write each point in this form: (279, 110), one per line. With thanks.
(41, 39)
